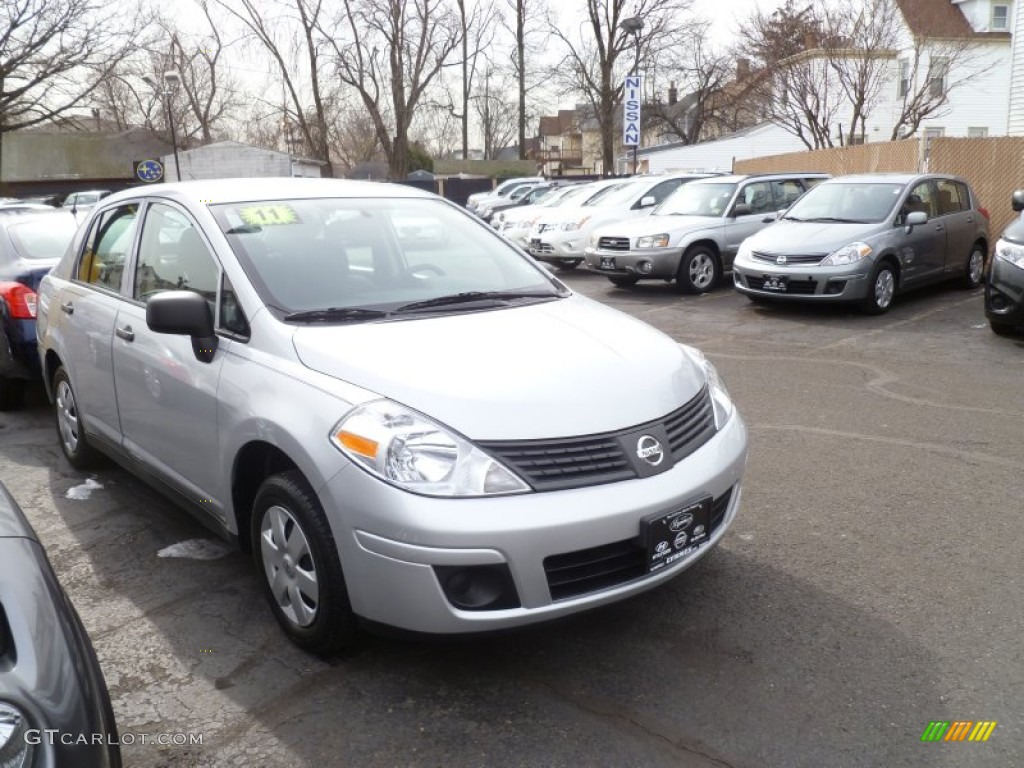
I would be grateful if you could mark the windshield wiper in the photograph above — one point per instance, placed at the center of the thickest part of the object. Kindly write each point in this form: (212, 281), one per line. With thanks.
(470, 296)
(337, 314)
(835, 220)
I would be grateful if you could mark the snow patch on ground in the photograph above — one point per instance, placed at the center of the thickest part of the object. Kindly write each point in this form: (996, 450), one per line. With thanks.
(83, 491)
(196, 549)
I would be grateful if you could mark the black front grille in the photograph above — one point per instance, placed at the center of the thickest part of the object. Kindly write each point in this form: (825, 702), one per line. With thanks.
(799, 287)
(576, 462)
(613, 243)
(773, 258)
(588, 570)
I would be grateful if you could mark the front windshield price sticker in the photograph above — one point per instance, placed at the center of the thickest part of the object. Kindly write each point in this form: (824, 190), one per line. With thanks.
(268, 215)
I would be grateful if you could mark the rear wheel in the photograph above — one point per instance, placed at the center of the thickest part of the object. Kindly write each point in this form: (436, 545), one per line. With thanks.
(975, 269)
(73, 440)
(881, 290)
(298, 565)
(12, 393)
(698, 271)
(623, 281)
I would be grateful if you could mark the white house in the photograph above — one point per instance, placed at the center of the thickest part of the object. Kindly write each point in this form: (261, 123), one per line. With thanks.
(233, 159)
(718, 155)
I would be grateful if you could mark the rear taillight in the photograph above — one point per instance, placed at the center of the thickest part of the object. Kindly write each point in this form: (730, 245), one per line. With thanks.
(21, 300)
(984, 212)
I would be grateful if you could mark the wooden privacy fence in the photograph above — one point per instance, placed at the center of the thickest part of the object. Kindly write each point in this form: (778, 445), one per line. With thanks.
(994, 166)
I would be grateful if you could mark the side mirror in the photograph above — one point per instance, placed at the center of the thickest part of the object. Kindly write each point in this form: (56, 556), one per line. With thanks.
(184, 313)
(647, 201)
(1017, 201)
(914, 219)
(772, 217)
(740, 209)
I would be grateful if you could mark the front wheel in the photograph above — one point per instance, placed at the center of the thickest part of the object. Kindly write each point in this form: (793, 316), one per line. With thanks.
(698, 271)
(298, 565)
(881, 290)
(975, 270)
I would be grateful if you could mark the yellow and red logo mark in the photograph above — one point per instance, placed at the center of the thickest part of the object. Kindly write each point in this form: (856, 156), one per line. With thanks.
(958, 730)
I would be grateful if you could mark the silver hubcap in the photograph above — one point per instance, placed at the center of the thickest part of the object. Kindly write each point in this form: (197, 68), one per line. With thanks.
(289, 566)
(702, 269)
(67, 417)
(975, 266)
(885, 285)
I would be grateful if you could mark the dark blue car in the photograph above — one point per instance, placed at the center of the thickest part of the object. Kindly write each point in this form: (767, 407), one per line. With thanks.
(30, 244)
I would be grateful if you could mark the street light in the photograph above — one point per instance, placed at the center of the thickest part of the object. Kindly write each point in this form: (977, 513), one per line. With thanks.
(171, 81)
(634, 25)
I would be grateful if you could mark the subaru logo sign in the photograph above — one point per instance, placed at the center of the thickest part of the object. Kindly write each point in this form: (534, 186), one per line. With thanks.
(679, 523)
(649, 449)
(781, 260)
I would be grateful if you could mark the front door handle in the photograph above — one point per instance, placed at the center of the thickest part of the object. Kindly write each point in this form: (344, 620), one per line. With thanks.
(67, 308)
(126, 333)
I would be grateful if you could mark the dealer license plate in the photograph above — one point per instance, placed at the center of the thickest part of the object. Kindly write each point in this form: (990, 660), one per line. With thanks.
(774, 283)
(675, 534)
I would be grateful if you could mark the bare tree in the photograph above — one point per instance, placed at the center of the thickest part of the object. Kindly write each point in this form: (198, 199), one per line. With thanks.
(529, 40)
(55, 53)
(283, 28)
(390, 51)
(597, 58)
(495, 112)
(477, 30)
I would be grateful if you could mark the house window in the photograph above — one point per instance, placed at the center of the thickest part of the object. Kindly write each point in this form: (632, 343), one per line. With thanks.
(977, 133)
(1000, 17)
(937, 72)
(904, 84)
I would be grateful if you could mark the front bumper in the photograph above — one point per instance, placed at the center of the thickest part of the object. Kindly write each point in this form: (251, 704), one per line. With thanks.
(653, 263)
(556, 246)
(391, 541)
(1004, 293)
(848, 282)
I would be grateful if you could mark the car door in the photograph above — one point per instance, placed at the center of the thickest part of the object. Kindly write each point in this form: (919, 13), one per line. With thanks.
(89, 304)
(166, 398)
(954, 203)
(923, 251)
(751, 206)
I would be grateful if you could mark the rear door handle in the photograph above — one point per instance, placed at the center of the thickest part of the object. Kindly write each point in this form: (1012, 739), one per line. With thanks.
(67, 308)
(126, 333)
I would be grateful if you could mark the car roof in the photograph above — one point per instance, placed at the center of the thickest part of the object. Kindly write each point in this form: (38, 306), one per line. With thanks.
(895, 178)
(214, 191)
(30, 216)
(735, 178)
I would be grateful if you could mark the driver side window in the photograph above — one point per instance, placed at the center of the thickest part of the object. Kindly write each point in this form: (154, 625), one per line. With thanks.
(173, 256)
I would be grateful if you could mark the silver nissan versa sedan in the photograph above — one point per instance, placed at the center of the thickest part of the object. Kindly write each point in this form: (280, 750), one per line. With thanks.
(427, 432)
(864, 238)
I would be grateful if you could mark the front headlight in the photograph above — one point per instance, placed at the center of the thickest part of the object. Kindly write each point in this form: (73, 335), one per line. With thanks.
(406, 449)
(721, 402)
(848, 254)
(653, 241)
(572, 226)
(745, 250)
(15, 750)
(1011, 253)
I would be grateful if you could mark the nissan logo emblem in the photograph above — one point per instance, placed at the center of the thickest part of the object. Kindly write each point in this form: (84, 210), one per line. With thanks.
(679, 523)
(649, 449)
(780, 260)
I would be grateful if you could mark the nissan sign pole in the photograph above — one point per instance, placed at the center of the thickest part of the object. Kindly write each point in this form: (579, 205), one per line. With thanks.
(631, 117)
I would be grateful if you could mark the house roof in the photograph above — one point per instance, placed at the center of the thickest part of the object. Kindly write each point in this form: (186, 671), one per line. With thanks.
(734, 135)
(940, 18)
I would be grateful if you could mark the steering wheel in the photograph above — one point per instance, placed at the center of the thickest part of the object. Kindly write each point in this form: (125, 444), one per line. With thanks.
(413, 270)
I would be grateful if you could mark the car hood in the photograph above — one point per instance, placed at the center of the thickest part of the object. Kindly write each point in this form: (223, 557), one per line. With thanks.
(558, 368)
(810, 236)
(653, 225)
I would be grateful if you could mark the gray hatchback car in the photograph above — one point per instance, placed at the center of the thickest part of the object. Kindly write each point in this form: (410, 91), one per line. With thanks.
(862, 238)
(390, 405)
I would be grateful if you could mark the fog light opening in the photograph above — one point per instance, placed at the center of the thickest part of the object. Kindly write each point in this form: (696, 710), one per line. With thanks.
(478, 587)
(645, 267)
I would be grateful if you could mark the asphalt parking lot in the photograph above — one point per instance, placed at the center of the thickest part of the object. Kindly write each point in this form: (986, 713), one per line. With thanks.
(872, 583)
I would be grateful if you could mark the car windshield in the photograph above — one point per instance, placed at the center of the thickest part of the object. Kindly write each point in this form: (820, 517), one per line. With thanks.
(376, 254)
(847, 202)
(697, 200)
(618, 196)
(44, 238)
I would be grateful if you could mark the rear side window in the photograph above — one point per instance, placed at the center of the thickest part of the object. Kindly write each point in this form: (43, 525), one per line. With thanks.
(107, 247)
(952, 197)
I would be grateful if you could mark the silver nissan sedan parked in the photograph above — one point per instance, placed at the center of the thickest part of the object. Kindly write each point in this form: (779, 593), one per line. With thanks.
(864, 238)
(400, 427)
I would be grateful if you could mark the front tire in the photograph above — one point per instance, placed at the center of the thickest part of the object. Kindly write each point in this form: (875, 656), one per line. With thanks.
(881, 290)
(73, 440)
(974, 272)
(298, 565)
(699, 270)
